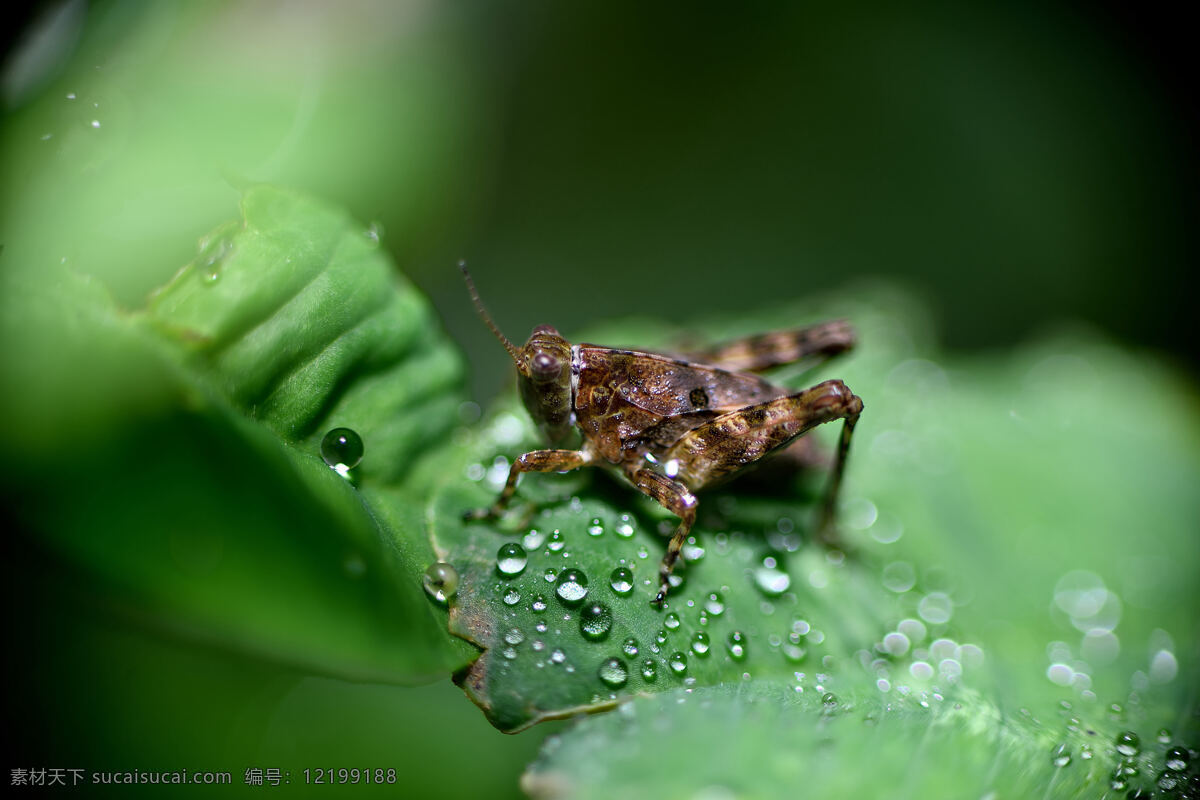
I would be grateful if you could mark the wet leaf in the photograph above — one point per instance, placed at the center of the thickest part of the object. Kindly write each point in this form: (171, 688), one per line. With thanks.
(199, 498)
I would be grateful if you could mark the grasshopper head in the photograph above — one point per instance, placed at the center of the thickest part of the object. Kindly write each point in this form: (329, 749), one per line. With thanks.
(543, 371)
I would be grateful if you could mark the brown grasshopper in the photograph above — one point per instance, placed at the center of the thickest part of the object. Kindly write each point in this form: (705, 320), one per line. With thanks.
(673, 427)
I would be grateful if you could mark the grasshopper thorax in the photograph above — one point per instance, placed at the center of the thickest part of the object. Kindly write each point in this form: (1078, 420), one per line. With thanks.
(544, 378)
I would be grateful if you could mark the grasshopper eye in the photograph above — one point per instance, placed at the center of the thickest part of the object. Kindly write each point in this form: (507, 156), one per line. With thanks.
(545, 366)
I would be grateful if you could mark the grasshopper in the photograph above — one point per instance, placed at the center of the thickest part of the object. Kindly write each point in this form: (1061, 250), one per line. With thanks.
(672, 427)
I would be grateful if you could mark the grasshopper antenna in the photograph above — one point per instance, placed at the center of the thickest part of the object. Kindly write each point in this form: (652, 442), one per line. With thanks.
(512, 351)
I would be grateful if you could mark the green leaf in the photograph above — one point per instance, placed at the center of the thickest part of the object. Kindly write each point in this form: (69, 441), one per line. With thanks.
(757, 740)
(198, 497)
(1015, 530)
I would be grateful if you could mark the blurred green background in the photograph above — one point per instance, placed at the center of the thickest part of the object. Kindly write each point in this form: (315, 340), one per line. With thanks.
(1017, 165)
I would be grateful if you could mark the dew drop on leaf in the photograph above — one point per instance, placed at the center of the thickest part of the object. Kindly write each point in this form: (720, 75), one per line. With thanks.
(572, 587)
(621, 581)
(630, 647)
(737, 645)
(700, 643)
(671, 622)
(511, 559)
(715, 604)
(624, 527)
(343, 448)
(613, 673)
(678, 663)
(595, 621)
(441, 582)
(649, 670)
(1128, 743)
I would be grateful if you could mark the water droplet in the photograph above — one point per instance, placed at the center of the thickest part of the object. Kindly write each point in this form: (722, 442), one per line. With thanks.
(661, 636)
(441, 582)
(829, 700)
(737, 645)
(572, 587)
(896, 643)
(1128, 743)
(514, 636)
(678, 663)
(771, 580)
(342, 447)
(700, 643)
(511, 596)
(621, 581)
(624, 527)
(692, 551)
(935, 608)
(595, 621)
(557, 656)
(509, 652)
(556, 542)
(1164, 736)
(899, 577)
(649, 670)
(1177, 759)
(630, 647)
(533, 540)
(596, 528)
(715, 604)
(671, 621)
(1168, 783)
(1061, 756)
(550, 575)
(511, 559)
(613, 672)
(538, 605)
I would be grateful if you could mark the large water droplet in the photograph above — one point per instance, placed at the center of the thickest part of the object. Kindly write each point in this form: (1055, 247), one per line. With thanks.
(342, 447)
(935, 608)
(715, 604)
(1177, 759)
(1128, 743)
(511, 559)
(700, 643)
(572, 587)
(678, 663)
(595, 621)
(771, 580)
(624, 527)
(621, 581)
(441, 582)
(514, 636)
(613, 673)
(671, 622)
(737, 645)
(511, 596)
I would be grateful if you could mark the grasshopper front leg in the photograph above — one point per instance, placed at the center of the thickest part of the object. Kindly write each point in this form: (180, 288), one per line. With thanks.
(534, 461)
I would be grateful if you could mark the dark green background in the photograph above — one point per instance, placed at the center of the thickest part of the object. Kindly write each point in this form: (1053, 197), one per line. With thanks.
(1020, 166)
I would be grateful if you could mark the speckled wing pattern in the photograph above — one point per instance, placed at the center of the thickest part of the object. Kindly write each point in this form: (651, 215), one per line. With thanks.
(626, 400)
